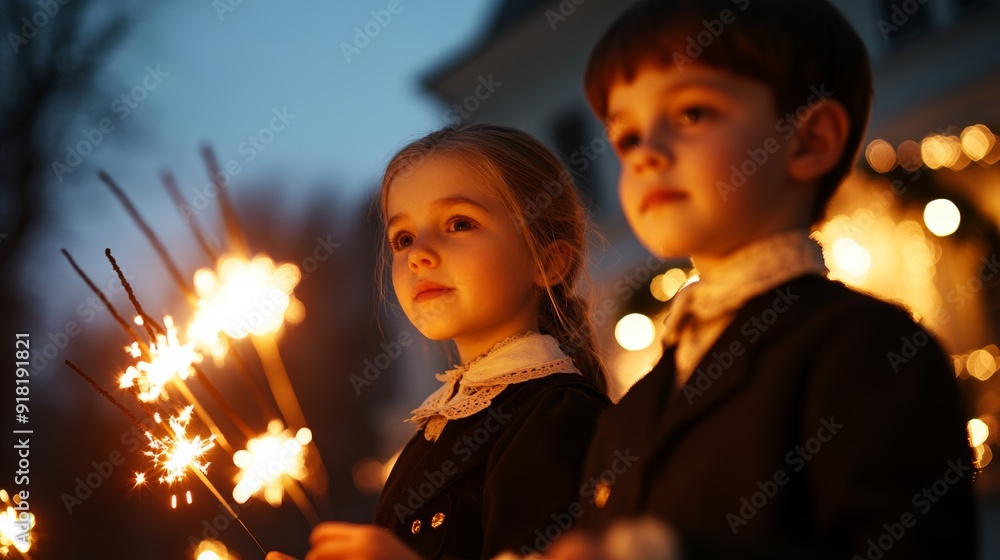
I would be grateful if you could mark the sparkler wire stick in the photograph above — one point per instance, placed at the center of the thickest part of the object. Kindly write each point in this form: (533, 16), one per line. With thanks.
(106, 395)
(153, 239)
(225, 504)
(175, 193)
(284, 396)
(234, 232)
(214, 392)
(277, 378)
(122, 322)
(146, 319)
(300, 499)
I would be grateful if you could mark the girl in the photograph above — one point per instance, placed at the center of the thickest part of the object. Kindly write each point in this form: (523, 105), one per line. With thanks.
(487, 240)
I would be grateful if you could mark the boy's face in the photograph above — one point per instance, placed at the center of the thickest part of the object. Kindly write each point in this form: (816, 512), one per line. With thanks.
(703, 161)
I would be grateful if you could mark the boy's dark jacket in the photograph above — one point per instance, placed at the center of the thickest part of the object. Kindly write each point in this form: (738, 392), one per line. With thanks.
(498, 480)
(822, 423)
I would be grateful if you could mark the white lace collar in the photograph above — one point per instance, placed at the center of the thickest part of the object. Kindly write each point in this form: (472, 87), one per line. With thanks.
(470, 387)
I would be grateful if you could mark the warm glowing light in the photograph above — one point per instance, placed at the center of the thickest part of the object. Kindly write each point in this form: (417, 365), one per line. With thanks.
(177, 453)
(210, 549)
(267, 460)
(942, 217)
(881, 156)
(168, 359)
(977, 141)
(370, 475)
(939, 151)
(140, 478)
(981, 364)
(979, 432)
(665, 286)
(908, 154)
(851, 257)
(984, 455)
(635, 331)
(244, 298)
(15, 525)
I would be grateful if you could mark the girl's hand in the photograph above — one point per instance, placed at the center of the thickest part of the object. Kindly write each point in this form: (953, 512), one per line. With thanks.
(336, 541)
(278, 556)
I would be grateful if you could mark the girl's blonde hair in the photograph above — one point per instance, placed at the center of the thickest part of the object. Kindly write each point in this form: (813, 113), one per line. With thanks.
(538, 192)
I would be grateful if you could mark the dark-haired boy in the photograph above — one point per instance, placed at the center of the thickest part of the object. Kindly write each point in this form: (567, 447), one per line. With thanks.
(789, 415)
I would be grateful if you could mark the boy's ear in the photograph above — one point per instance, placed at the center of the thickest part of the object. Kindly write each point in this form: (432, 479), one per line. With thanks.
(819, 141)
(556, 261)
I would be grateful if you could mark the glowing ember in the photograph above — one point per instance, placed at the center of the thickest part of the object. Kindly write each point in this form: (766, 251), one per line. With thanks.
(212, 550)
(15, 525)
(168, 358)
(267, 459)
(244, 298)
(178, 453)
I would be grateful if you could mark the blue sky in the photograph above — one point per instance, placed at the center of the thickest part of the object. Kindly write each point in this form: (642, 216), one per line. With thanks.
(192, 73)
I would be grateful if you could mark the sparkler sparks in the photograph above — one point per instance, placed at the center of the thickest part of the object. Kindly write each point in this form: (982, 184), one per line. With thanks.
(168, 358)
(15, 527)
(177, 453)
(242, 298)
(267, 460)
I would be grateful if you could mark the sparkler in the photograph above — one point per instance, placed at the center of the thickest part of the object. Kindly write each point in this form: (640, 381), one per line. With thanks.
(175, 453)
(178, 453)
(243, 297)
(168, 359)
(15, 527)
(274, 464)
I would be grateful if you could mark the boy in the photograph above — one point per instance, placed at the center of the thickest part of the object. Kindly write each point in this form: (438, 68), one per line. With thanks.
(789, 415)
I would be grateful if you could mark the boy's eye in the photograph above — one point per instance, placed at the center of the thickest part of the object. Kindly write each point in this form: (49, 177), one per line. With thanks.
(626, 142)
(694, 115)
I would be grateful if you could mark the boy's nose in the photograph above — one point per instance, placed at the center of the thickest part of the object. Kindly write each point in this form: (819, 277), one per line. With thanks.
(650, 156)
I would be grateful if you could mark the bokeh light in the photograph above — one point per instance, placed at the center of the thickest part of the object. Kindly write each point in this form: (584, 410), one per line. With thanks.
(977, 141)
(851, 257)
(942, 217)
(881, 156)
(635, 331)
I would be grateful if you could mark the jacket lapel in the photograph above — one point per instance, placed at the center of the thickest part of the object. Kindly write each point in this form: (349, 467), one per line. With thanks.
(727, 367)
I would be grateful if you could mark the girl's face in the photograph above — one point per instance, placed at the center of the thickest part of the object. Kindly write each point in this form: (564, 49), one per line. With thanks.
(460, 268)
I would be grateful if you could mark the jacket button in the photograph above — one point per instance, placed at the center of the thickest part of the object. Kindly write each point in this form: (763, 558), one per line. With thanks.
(601, 494)
(415, 528)
(437, 520)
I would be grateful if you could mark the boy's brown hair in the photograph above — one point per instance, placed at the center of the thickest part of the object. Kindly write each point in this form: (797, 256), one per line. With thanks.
(798, 48)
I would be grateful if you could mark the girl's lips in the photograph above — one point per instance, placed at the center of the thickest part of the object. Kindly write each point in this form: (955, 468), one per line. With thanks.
(656, 197)
(426, 290)
(427, 295)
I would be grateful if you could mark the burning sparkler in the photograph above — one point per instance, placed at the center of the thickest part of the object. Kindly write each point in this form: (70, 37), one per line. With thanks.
(168, 359)
(243, 298)
(15, 526)
(177, 454)
(267, 460)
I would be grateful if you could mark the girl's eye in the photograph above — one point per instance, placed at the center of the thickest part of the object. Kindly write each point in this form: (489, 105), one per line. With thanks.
(400, 241)
(462, 224)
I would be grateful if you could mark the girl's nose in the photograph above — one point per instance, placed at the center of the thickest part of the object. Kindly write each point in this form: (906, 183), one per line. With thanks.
(422, 255)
